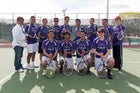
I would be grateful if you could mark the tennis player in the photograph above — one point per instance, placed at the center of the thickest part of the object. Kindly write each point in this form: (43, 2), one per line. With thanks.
(117, 43)
(57, 28)
(42, 34)
(92, 34)
(78, 28)
(18, 43)
(66, 51)
(101, 48)
(32, 47)
(108, 30)
(66, 27)
(50, 48)
(82, 50)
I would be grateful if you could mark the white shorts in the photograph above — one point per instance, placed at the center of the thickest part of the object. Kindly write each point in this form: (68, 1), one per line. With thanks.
(32, 48)
(99, 63)
(47, 60)
(78, 60)
(68, 60)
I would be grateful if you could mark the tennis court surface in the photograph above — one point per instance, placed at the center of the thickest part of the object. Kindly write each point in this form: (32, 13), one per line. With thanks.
(125, 81)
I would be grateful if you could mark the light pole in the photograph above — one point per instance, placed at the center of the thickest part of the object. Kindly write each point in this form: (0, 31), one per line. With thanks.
(64, 11)
(107, 9)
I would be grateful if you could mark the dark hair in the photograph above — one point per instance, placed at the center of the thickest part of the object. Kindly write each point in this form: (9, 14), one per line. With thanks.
(105, 19)
(92, 19)
(101, 30)
(66, 17)
(66, 33)
(44, 19)
(32, 17)
(82, 31)
(77, 20)
(20, 18)
(55, 19)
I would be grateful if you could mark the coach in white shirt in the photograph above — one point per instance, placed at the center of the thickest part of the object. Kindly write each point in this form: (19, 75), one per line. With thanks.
(18, 43)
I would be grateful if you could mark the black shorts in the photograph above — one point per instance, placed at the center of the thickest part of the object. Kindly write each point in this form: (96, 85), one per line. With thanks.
(40, 50)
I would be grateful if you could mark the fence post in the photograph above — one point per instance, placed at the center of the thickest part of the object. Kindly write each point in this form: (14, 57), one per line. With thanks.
(98, 19)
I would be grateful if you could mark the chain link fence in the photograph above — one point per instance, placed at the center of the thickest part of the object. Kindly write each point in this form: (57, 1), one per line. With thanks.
(8, 20)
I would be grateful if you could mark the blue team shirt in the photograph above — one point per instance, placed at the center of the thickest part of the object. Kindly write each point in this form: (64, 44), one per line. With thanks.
(66, 28)
(43, 30)
(90, 29)
(109, 31)
(67, 46)
(57, 30)
(101, 46)
(82, 45)
(50, 47)
(116, 30)
(77, 30)
(31, 30)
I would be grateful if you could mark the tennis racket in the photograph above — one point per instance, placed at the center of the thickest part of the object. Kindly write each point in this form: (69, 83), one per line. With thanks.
(67, 71)
(82, 67)
(102, 69)
(50, 70)
(121, 35)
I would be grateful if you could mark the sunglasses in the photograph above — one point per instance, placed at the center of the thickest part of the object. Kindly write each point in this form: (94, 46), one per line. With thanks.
(100, 32)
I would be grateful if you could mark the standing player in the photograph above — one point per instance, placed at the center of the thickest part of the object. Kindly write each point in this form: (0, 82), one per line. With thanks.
(57, 29)
(50, 48)
(66, 51)
(32, 47)
(66, 27)
(82, 50)
(78, 28)
(101, 48)
(42, 34)
(18, 43)
(92, 34)
(117, 42)
(108, 30)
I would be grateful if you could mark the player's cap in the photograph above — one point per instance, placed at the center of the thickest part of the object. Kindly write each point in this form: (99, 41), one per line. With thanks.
(101, 30)
(51, 30)
(66, 33)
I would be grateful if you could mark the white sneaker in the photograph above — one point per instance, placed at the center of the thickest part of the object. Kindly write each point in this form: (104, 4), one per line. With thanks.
(44, 73)
(20, 70)
(29, 67)
(32, 64)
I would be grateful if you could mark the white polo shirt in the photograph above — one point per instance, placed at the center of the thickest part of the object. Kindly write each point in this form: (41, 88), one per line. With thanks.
(19, 38)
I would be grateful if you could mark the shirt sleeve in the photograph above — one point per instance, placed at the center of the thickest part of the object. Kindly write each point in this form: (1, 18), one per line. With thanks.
(93, 45)
(109, 45)
(43, 45)
(57, 46)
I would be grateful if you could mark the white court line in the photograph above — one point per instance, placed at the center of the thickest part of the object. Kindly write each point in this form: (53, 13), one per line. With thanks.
(6, 77)
(9, 75)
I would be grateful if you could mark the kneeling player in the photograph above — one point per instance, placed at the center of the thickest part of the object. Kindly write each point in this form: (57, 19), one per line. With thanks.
(82, 52)
(101, 48)
(66, 51)
(50, 50)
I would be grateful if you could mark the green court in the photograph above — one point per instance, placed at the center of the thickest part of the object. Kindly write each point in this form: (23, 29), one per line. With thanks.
(125, 81)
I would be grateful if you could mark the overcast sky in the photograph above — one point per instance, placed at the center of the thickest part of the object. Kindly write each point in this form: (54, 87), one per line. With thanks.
(73, 6)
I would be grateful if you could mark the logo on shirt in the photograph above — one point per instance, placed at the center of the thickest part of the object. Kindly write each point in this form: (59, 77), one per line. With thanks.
(101, 46)
(82, 46)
